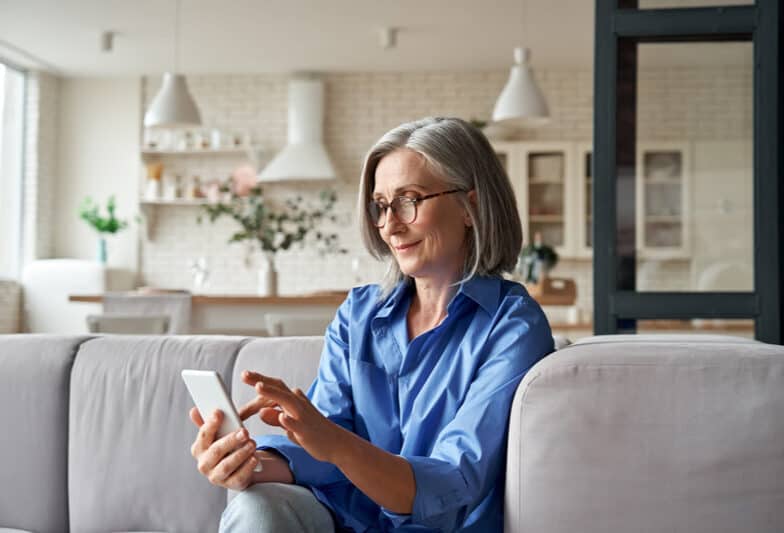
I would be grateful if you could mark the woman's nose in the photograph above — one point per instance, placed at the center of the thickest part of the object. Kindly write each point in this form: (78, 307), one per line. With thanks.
(393, 223)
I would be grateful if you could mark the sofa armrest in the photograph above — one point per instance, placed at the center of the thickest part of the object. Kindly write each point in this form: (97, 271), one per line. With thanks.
(651, 435)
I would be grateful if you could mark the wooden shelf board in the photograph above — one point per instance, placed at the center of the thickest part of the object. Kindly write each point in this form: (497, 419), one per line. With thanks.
(205, 151)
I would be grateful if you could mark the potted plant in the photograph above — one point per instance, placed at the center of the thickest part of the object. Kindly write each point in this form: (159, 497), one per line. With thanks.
(536, 260)
(271, 228)
(90, 212)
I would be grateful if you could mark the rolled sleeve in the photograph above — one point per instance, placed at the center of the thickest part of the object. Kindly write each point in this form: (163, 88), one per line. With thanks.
(440, 488)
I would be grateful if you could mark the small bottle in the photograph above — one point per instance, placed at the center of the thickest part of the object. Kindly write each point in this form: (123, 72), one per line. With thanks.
(216, 139)
(197, 190)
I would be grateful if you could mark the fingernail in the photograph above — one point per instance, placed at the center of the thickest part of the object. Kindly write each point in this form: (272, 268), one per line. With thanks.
(240, 435)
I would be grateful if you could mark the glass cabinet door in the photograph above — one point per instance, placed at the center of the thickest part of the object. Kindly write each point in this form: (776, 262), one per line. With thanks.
(547, 196)
(542, 175)
(662, 199)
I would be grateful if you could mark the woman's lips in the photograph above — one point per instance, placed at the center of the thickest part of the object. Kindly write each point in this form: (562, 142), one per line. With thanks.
(404, 247)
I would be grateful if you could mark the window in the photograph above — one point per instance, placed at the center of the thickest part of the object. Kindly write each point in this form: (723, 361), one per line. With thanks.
(703, 241)
(12, 89)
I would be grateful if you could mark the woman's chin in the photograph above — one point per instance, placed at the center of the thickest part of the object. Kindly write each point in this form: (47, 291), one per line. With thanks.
(409, 268)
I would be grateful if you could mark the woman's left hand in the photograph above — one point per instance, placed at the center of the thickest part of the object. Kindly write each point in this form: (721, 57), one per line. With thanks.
(292, 411)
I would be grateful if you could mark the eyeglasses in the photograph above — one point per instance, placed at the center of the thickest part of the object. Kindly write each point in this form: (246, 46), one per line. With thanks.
(404, 208)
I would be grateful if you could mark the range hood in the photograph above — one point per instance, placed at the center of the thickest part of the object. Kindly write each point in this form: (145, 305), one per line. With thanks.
(304, 158)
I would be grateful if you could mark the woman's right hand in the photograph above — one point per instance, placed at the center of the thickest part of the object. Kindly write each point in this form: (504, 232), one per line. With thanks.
(227, 462)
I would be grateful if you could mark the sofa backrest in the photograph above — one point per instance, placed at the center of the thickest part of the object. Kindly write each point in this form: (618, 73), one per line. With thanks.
(295, 360)
(35, 373)
(649, 434)
(129, 435)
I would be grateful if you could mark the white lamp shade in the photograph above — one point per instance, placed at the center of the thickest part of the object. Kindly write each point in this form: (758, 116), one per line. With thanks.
(521, 102)
(173, 106)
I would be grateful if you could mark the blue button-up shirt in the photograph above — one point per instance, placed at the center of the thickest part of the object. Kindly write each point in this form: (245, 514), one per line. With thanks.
(441, 401)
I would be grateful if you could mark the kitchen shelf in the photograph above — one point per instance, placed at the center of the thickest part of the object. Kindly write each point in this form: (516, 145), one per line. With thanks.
(185, 167)
(546, 218)
(149, 209)
(181, 202)
(201, 151)
(545, 181)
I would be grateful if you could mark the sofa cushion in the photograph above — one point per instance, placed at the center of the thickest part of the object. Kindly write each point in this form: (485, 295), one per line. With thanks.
(647, 436)
(34, 420)
(130, 467)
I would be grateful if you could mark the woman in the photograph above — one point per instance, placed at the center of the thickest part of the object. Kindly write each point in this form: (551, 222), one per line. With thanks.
(405, 426)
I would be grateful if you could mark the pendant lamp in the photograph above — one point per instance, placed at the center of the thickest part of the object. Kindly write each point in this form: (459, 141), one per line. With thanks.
(173, 106)
(521, 102)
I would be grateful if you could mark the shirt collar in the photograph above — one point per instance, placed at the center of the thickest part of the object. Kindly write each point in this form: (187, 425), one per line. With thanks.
(485, 291)
(390, 303)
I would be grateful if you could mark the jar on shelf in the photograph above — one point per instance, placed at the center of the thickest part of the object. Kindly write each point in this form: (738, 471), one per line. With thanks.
(193, 191)
(216, 139)
(201, 140)
(152, 190)
(171, 187)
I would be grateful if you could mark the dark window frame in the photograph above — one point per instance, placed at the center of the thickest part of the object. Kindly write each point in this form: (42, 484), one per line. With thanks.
(617, 305)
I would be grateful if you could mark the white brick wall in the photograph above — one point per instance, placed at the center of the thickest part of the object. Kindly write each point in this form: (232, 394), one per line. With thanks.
(40, 167)
(360, 107)
(10, 306)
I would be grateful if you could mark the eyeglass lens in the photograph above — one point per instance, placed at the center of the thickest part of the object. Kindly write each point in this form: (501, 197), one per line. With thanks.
(404, 209)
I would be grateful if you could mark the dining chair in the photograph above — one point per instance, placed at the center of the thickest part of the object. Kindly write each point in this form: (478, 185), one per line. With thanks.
(174, 305)
(128, 324)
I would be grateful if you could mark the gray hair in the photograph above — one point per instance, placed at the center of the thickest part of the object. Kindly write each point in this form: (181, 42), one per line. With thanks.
(463, 158)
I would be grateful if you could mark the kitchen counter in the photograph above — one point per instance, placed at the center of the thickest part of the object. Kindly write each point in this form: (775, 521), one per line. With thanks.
(321, 298)
(241, 314)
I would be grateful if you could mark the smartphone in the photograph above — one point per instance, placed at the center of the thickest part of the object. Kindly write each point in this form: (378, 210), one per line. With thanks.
(209, 393)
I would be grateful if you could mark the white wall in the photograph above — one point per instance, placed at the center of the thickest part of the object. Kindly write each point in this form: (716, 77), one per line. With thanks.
(98, 155)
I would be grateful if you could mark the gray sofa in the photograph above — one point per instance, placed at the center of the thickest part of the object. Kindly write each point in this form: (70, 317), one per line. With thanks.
(611, 434)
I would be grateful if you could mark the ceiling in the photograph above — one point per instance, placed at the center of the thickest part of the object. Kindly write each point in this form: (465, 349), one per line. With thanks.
(262, 36)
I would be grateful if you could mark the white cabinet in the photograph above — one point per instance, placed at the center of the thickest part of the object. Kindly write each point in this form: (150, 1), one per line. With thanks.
(553, 185)
(542, 177)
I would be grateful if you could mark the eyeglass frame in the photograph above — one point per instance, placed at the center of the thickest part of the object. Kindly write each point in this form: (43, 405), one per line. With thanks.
(413, 201)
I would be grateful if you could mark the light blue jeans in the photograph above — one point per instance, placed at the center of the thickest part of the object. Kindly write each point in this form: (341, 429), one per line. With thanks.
(276, 507)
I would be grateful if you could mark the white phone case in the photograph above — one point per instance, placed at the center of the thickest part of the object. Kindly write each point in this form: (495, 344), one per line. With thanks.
(209, 393)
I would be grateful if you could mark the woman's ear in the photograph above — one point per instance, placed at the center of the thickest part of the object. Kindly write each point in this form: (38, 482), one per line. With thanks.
(471, 198)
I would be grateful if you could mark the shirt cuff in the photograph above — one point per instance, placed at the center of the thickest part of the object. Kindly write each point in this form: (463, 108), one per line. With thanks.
(440, 493)
(305, 469)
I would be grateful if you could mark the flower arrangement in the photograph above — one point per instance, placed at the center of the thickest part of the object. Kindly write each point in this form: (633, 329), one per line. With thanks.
(91, 213)
(275, 227)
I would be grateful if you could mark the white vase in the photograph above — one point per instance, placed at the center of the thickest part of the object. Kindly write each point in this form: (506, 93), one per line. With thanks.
(268, 276)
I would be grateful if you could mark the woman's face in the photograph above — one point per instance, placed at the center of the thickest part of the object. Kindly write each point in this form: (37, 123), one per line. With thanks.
(433, 246)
